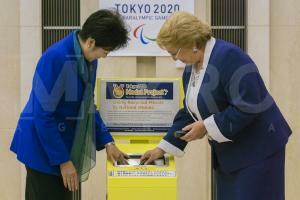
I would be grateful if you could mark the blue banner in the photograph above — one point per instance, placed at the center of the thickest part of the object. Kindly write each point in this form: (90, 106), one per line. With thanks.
(139, 90)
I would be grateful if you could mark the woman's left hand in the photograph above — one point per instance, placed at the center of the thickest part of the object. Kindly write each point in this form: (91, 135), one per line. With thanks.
(115, 155)
(196, 130)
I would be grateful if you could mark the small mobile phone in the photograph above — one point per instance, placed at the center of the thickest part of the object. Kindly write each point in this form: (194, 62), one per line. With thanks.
(180, 133)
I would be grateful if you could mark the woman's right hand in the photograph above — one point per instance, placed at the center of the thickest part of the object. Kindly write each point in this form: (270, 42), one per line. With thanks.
(69, 175)
(152, 155)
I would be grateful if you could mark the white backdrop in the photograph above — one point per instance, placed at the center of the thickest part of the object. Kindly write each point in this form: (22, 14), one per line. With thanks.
(145, 18)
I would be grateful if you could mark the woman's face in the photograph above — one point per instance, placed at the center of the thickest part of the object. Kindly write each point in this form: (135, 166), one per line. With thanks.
(92, 52)
(187, 55)
(97, 52)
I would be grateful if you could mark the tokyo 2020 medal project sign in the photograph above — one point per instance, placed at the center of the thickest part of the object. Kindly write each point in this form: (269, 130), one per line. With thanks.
(139, 106)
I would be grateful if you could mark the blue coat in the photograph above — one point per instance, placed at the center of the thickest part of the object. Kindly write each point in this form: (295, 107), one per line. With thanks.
(233, 91)
(45, 130)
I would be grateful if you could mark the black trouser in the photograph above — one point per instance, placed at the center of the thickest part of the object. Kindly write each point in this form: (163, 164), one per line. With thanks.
(41, 186)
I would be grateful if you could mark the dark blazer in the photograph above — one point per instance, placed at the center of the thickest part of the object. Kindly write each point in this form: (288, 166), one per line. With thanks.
(46, 128)
(234, 93)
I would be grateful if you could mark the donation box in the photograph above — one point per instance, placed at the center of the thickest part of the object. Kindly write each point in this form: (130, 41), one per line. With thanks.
(138, 113)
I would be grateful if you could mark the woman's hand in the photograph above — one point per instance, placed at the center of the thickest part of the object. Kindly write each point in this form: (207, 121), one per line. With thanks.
(69, 175)
(115, 155)
(196, 130)
(152, 155)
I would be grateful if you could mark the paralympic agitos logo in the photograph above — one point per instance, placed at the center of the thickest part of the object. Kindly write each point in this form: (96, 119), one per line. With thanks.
(138, 33)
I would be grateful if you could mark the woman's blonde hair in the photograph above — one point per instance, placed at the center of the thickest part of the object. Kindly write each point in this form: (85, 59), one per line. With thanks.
(183, 29)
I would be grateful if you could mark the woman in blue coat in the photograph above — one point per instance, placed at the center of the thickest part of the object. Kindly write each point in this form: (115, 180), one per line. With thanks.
(59, 129)
(227, 101)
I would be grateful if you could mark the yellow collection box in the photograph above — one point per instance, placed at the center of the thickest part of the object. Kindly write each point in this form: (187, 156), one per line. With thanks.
(138, 112)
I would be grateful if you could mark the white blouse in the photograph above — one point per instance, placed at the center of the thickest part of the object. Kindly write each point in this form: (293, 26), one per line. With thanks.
(192, 93)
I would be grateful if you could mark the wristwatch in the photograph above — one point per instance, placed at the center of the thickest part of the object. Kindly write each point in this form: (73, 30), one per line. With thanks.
(109, 143)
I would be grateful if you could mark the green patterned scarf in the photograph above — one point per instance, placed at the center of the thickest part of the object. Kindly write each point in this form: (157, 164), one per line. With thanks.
(83, 153)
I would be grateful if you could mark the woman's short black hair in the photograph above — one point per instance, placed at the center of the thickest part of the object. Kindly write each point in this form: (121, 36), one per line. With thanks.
(107, 28)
